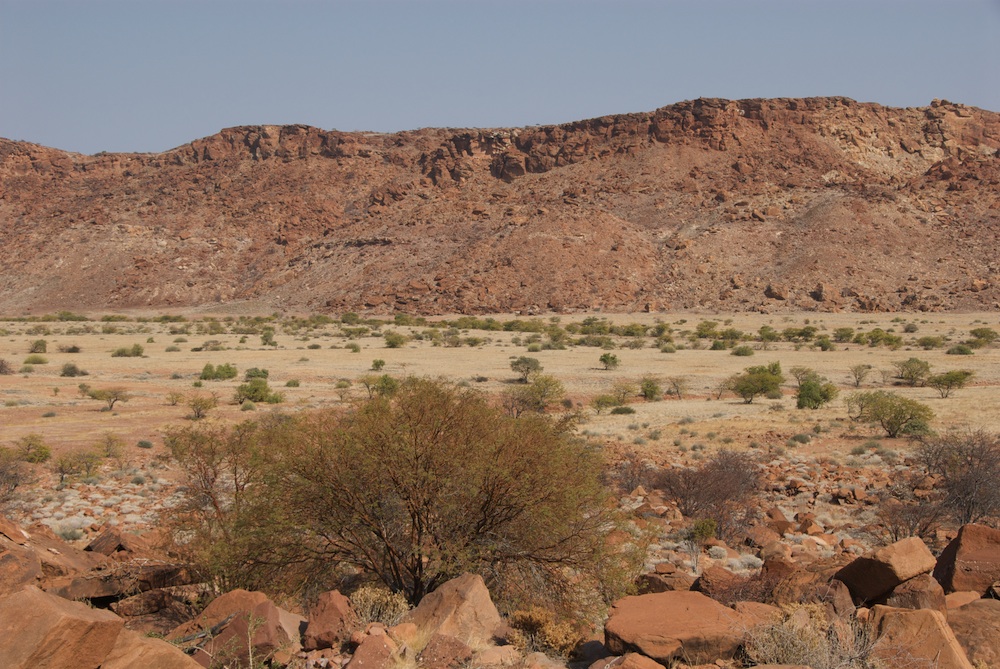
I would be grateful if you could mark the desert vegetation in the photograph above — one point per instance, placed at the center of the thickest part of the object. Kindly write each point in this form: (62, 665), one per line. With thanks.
(559, 458)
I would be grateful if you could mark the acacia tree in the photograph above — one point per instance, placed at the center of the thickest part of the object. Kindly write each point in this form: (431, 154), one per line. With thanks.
(946, 382)
(525, 366)
(894, 413)
(419, 487)
(110, 395)
(757, 380)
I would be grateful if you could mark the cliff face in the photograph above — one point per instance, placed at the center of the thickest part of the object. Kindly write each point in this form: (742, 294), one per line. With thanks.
(821, 203)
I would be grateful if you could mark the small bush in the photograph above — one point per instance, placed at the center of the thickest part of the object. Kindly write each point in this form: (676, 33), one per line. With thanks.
(49, 414)
(742, 351)
(134, 351)
(144, 443)
(31, 448)
(36, 360)
(292, 383)
(373, 604)
(72, 348)
(218, 373)
(314, 346)
(248, 406)
(802, 438)
(172, 349)
(5, 367)
(959, 349)
(353, 347)
(70, 369)
(378, 364)
(538, 630)
(38, 346)
(623, 410)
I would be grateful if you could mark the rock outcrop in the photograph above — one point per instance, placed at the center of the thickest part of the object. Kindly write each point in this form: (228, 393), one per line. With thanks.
(734, 205)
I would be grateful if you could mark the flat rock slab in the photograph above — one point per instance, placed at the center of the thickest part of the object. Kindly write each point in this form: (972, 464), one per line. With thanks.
(667, 626)
(977, 628)
(916, 637)
(41, 630)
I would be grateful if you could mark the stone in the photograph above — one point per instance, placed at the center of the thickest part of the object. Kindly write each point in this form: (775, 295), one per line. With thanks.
(956, 600)
(916, 635)
(113, 540)
(497, 656)
(876, 574)
(971, 561)
(920, 592)
(19, 566)
(669, 626)
(977, 628)
(376, 651)
(132, 651)
(260, 630)
(226, 605)
(444, 652)
(41, 630)
(330, 622)
(460, 608)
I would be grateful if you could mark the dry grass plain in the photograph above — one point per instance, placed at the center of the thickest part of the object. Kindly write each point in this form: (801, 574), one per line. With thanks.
(45, 403)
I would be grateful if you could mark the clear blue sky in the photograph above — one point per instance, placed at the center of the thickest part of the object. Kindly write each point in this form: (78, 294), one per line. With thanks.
(149, 75)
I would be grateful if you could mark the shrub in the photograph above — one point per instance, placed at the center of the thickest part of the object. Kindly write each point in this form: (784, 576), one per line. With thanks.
(801, 438)
(602, 402)
(70, 369)
(292, 383)
(815, 643)
(38, 346)
(5, 367)
(144, 443)
(353, 347)
(374, 604)
(968, 462)
(912, 371)
(257, 390)
(948, 381)
(395, 339)
(248, 406)
(36, 360)
(219, 373)
(200, 405)
(525, 366)
(436, 463)
(172, 349)
(959, 349)
(742, 351)
(722, 488)
(814, 393)
(32, 448)
(650, 389)
(622, 410)
(610, 361)
(759, 380)
(134, 351)
(378, 364)
(539, 630)
(894, 413)
(255, 373)
(109, 395)
(543, 391)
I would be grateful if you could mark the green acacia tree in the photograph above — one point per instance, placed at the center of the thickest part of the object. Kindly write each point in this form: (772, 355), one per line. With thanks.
(896, 414)
(758, 380)
(412, 489)
(525, 366)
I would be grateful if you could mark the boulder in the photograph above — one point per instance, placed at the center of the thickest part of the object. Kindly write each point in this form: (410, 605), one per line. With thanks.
(977, 628)
(668, 626)
(259, 632)
(19, 566)
(917, 636)
(920, 592)
(113, 540)
(329, 622)
(41, 630)
(636, 661)
(376, 651)
(133, 650)
(224, 606)
(461, 608)
(661, 582)
(971, 561)
(122, 579)
(444, 652)
(956, 600)
(874, 575)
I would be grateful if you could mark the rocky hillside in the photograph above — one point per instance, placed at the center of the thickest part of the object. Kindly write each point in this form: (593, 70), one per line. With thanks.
(821, 203)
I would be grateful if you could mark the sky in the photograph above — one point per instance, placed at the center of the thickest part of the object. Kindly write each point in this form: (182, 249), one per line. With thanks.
(150, 75)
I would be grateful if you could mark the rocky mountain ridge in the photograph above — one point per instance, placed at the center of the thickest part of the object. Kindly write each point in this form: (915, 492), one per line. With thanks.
(778, 204)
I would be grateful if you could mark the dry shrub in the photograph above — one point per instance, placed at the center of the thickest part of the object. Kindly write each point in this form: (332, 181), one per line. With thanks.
(6, 367)
(539, 630)
(758, 587)
(902, 513)
(373, 604)
(804, 636)
(724, 488)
